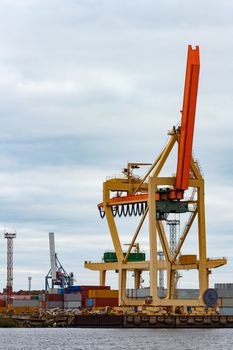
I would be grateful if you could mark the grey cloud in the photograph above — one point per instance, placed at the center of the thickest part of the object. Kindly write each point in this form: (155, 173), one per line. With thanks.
(86, 86)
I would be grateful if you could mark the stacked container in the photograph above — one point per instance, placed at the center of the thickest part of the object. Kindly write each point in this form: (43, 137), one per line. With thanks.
(54, 301)
(72, 301)
(99, 299)
(25, 303)
(2, 303)
(85, 293)
(183, 294)
(42, 303)
(72, 289)
(67, 298)
(225, 298)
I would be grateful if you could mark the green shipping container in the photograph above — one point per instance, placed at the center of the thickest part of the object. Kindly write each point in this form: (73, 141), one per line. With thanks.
(111, 257)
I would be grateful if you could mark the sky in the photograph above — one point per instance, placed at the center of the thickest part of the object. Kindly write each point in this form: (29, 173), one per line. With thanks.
(85, 87)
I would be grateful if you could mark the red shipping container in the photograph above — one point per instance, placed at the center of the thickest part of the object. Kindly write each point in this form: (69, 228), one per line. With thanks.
(93, 287)
(54, 297)
(2, 303)
(84, 302)
(43, 304)
(22, 297)
(85, 294)
(105, 302)
(85, 290)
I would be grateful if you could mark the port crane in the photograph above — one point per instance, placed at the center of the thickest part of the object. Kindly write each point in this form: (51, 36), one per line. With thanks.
(57, 275)
(156, 197)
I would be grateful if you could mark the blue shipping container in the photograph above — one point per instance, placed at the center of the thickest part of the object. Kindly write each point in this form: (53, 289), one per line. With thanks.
(76, 288)
(89, 302)
(72, 289)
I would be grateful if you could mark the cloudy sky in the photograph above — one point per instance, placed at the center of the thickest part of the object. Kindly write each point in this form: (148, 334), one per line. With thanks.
(88, 85)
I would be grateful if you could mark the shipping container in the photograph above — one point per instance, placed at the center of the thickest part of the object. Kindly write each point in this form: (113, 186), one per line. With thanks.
(20, 297)
(145, 293)
(72, 289)
(73, 297)
(138, 293)
(185, 294)
(93, 287)
(224, 292)
(26, 303)
(42, 305)
(42, 297)
(54, 297)
(105, 302)
(72, 304)
(2, 303)
(68, 291)
(223, 285)
(85, 290)
(102, 293)
(226, 302)
(84, 301)
(20, 309)
(60, 290)
(89, 302)
(54, 304)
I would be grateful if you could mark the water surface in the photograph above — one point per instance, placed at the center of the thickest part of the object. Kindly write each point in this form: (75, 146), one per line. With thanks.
(127, 339)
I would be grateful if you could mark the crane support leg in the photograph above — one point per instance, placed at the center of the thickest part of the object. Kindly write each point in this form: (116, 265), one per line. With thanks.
(203, 271)
(102, 277)
(153, 241)
(137, 278)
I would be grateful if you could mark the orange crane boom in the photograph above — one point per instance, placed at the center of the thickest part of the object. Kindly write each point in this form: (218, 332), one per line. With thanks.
(184, 147)
(188, 118)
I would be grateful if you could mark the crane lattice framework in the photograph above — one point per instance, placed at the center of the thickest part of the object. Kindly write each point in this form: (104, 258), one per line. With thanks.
(9, 284)
(161, 274)
(155, 197)
(173, 235)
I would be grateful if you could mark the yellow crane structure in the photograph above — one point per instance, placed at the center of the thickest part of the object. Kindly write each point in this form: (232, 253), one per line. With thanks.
(154, 197)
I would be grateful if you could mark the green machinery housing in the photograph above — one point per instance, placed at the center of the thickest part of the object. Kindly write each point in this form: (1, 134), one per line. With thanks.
(134, 256)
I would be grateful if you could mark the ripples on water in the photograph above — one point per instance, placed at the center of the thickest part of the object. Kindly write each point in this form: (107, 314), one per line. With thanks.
(99, 339)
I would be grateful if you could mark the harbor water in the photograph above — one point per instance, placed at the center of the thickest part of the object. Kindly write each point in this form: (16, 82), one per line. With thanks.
(99, 339)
